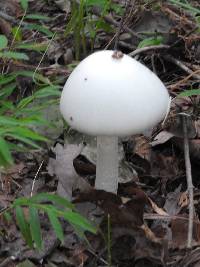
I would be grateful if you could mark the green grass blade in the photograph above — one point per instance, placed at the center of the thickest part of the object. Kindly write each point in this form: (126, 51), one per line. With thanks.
(52, 198)
(190, 92)
(23, 139)
(23, 226)
(5, 153)
(35, 226)
(56, 225)
(13, 55)
(76, 219)
(3, 41)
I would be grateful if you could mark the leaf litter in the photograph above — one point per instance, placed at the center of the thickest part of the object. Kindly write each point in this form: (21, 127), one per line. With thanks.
(149, 215)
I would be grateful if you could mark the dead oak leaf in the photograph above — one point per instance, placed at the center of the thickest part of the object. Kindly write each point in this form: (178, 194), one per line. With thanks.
(63, 168)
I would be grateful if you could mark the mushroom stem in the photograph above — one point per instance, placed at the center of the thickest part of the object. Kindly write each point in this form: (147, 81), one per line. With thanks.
(107, 163)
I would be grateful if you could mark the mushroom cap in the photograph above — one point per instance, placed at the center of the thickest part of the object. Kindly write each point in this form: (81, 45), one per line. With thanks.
(112, 94)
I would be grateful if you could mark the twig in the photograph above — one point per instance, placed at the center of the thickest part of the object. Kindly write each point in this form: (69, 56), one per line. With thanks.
(43, 55)
(98, 257)
(182, 66)
(148, 48)
(189, 181)
(36, 175)
(179, 83)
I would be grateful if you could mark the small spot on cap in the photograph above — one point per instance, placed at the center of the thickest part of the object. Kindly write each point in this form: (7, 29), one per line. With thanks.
(117, 54)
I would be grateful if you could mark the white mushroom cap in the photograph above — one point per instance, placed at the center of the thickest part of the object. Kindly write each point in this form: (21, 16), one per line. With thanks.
(113, 94)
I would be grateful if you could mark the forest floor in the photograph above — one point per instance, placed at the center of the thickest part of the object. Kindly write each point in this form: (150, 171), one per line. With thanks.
(147, 222)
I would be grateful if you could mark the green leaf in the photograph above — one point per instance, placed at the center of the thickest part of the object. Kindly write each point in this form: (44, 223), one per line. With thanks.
(5, 79)
(76, 219)
(23, 139)
(33, 46)
(25, 101)
(34, 120)
(101, 3)
(22, 201)
(35, 226)
(5, 120)
(37, 16)
(5, 153)
(151, 41)
(52, 198)
(29, 134)
(7, 90)
(40, 28)
(186, 6)
(190, 92)
(13, 55)
(56, 225)
(17, 33)
(31, 74)
(6, 106)
(48, 91)
(23, 226)
(24, 4)
(72, 22)
(7, 216)
(3, 41)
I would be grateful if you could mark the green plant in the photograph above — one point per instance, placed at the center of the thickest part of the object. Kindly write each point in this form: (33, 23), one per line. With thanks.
(18, 119)
(19, 115)
(184, 4)
(83, 23)
(191, 92)
(157, 40)
(6, 53)
(56, 208)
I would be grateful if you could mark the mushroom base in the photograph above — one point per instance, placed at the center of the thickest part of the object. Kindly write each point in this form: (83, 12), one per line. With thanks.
(107, 163)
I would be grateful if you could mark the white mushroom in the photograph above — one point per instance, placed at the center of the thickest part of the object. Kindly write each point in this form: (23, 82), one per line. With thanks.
(107, 95)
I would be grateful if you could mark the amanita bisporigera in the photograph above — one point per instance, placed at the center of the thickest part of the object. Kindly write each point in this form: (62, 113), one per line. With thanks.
(108, 95)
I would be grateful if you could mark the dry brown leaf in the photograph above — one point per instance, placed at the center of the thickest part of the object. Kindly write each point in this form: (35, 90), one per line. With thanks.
(142, 147)
(158, 210)
(183, 201)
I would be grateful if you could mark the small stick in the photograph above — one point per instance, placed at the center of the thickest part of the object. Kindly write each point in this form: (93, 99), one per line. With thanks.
(175, 85)
(36, 175)
(148, 48)
(189, 181)
(182, 66)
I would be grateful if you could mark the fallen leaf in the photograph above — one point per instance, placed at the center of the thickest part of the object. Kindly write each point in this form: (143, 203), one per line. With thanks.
(158, 210)
(184, 200)
(171, 205)
(63, 168)
(161, 138)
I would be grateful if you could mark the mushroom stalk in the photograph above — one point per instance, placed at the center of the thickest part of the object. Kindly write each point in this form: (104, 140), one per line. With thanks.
(107, 163)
